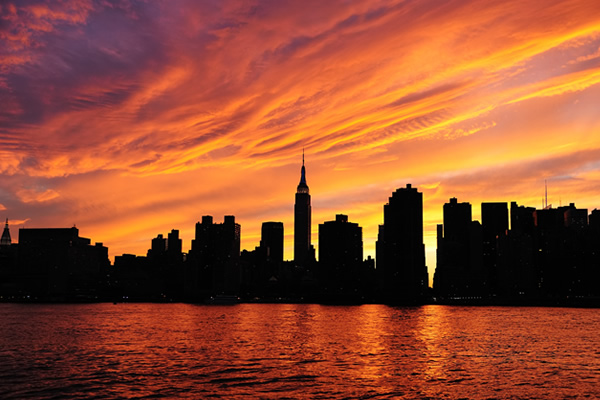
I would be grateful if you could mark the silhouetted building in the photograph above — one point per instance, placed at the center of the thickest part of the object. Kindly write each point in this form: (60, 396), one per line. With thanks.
(549, 218)
(165, 267)
(5, 240)
(454, 275)
(592, 248)
(58, 263)
(594, 219)
(271, 241)
(213, 262)
(303, 250)
(8, 268)
(575, 218)
(158, 247)
(494, 223)
(564, 259)
(494, 220)
(515, 264)
(174, 245)
(340, 257)
(400, 249)
(262, 274)
(135, 278)
(522, 218)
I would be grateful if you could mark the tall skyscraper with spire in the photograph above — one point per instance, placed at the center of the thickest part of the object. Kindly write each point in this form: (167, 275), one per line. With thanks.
(302, 220)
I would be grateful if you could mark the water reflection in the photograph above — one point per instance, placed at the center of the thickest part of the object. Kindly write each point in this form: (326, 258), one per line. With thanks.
(297, 351)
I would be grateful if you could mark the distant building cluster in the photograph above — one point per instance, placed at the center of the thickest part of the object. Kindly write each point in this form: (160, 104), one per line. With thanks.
(546, 254)
(551, 253)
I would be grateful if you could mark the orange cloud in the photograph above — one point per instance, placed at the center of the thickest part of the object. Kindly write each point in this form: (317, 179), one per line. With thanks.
(36, 196)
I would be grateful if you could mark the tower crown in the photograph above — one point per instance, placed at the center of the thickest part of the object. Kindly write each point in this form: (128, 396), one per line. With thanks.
(302, 186)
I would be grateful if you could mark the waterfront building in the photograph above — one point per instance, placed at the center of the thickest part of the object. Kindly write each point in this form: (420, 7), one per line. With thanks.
(8, 258)
(271, 241)
(494, 224)
(340, 256)
(57, 262)
(453, 274)
(213, 261)
(400, 260)
(262, 268)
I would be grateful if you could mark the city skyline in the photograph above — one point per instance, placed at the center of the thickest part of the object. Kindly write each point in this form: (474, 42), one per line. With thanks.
(128, 120)
(500, 223)
(525, 256)
(303, 190)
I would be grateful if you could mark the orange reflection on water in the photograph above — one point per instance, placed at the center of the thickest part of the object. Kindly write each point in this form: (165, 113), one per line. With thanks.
(298, 351)
(433, 328)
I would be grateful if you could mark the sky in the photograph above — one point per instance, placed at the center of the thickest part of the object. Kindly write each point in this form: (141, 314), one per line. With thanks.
(131, 118)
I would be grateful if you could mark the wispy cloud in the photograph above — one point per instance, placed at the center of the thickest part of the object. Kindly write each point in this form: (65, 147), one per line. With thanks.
(36, 196)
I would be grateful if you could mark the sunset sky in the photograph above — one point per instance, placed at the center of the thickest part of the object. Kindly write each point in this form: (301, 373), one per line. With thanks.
(131, 118)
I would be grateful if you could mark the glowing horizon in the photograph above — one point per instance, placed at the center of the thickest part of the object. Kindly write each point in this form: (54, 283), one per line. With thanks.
(131, 119)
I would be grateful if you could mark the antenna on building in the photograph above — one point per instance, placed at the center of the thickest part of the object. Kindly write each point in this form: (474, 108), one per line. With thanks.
(546, 193)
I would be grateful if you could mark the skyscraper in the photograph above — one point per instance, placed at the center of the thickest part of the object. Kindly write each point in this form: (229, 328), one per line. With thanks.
(302, 221)
(272, 241)
(340, 255)
(174, 244)
(400, 249)
(494, 224)
(213, 266)
(453, 271)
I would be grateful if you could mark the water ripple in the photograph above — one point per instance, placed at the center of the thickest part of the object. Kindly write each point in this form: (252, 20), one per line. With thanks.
(152, 351)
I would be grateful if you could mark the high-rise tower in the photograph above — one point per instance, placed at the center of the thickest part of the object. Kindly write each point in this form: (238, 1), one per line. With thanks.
(400, 248)
(453, 272)
(302, 220)
(272, 241)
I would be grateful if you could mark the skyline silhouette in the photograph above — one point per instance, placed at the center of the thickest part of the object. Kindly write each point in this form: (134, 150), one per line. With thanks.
(526, 254)
(430, 262)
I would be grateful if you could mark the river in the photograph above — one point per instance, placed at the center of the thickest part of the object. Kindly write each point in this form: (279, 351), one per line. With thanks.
(297, 351)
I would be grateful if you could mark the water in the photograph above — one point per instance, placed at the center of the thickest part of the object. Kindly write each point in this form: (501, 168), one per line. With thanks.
(297, 351)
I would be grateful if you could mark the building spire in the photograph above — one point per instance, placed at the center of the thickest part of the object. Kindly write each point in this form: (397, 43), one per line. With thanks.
(5, 240)
(302, 186)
